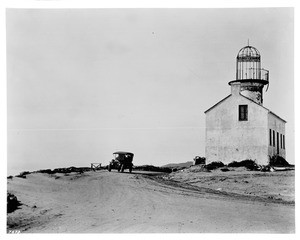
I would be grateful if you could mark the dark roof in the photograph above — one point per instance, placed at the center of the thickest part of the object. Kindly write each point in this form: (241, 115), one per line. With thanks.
(122, 152)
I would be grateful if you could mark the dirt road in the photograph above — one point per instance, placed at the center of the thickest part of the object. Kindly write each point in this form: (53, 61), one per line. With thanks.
(112, 202)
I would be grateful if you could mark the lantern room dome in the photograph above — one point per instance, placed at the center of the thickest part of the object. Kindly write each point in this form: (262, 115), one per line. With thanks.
(248, 66)
(249, 53)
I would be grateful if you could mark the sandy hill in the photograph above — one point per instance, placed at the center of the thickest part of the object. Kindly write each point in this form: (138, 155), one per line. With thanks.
(179, 165)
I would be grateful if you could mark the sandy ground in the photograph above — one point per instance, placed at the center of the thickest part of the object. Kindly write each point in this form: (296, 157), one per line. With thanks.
(112, 202)
(279, 185)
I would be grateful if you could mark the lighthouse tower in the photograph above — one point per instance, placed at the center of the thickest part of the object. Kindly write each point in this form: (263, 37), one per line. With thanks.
(250, 77)
(239, 127)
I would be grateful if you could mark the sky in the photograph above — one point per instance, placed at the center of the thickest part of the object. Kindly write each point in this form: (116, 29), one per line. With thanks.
(83, 83)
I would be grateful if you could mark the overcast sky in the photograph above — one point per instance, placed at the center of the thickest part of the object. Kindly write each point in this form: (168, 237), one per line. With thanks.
(84, 83)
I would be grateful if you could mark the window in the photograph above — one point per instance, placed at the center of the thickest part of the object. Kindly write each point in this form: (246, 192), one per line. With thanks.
(280, 140)
(270, 135)
(283, 141)
(243, 112)
(273, 138)
(277, 142)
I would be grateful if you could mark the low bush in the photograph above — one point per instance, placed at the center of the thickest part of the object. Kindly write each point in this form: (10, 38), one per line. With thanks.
(48, 171)
(249, 164)
(199, 160)
(23, 174)
(224, 169)
(278, 161)
(153, 168)
(71, 169)
(214, 165)
(12, 203)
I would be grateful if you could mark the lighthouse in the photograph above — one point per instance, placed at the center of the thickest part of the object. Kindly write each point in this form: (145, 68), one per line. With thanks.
(239, 127)
(250, 77)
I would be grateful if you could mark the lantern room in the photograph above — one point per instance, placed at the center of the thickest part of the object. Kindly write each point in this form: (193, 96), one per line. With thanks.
(250, 76)
(248, 65)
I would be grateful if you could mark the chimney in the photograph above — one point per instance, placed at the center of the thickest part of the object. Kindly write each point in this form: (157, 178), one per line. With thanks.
(235, 88)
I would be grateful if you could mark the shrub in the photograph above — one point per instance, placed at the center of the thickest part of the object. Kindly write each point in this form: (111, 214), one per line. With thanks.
(249, 164)
(48, 171)
(225, 169)
(12, 203)
(234, 164)
(278, 161)
(214, 165)
(23, 174)
(71, 169)
(153, 168)
(199, 160)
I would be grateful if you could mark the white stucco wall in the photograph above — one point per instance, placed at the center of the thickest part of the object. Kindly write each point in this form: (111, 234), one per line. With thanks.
(278, 125)
(228, 139)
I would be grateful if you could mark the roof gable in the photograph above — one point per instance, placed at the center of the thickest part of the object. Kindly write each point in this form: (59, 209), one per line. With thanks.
(217, 103)
(269, 111)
